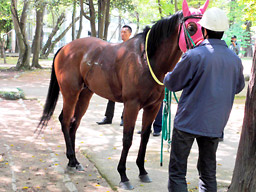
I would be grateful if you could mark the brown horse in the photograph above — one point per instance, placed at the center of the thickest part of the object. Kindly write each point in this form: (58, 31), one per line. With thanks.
(118, 72)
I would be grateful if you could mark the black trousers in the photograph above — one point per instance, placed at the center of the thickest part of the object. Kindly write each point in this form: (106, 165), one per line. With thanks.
(157, 125)
(206, 165)
(110, 110)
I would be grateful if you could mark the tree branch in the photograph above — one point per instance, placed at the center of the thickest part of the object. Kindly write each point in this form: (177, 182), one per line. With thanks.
(82, 9)
(59, 37)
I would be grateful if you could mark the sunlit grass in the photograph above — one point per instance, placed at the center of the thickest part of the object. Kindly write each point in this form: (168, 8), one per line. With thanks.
(9, 60)
(12, 61)
(240, 99)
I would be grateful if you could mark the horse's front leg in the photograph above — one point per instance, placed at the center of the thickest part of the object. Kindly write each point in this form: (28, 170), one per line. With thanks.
(131, 109)
(149, 114)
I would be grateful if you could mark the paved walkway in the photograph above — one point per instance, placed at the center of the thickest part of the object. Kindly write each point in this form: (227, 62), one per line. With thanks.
(103, 144)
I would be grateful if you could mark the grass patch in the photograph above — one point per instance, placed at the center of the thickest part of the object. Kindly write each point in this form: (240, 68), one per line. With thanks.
(13, 61)
(12, 94)
(9, 60)
(239, 99)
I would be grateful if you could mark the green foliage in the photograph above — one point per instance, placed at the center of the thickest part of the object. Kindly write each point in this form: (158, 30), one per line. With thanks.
(249, 9)
(123, 5)
(5, 16)
(5, 10)
(242, 35)
(149, 9)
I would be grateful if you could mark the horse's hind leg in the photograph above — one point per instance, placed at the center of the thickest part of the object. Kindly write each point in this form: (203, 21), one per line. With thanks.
(81, 107)
(69, 103)
(149, 115)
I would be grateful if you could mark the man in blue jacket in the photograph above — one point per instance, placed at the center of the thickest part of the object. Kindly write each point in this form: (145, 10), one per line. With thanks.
(210, 76)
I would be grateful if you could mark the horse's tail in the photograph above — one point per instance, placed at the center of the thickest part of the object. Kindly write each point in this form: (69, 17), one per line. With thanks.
(51, 100)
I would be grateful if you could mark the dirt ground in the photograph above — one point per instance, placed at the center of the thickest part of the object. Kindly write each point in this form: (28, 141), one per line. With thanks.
(30, 163)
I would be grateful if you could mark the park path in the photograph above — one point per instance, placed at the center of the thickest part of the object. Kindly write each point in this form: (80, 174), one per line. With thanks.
(30, 163)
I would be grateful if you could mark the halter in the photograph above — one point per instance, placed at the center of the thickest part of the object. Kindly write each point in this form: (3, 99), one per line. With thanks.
(188, 38)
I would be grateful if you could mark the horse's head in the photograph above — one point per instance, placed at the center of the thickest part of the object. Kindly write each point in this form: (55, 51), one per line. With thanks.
(190, 33)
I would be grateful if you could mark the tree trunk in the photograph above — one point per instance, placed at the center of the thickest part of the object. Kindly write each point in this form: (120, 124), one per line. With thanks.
(73, 21)
(176, 6)
(50, 49)
(119, 26)
(37, 38)
(137, 23)
(101, 17)
(47, 45)
(160, 8)
(248, 49)
(2, 50)
(20, 28)
(92, 18)
(80, 23)
(244, 175)
(232, 11)
(107, 18)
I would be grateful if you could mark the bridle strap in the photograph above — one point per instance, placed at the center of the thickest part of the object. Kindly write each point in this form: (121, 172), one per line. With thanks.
(198, 16)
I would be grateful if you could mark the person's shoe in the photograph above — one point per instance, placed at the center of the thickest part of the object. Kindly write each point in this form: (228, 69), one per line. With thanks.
(156, 134)
(105, 121)
(122, 122)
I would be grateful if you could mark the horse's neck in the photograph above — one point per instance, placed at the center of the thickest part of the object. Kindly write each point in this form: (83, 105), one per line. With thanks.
(166, 57)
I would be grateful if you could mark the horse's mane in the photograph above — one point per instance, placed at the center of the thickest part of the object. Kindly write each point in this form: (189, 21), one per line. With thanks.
(160, 31)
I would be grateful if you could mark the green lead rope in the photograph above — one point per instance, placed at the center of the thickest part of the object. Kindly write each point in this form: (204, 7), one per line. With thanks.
(166, 120)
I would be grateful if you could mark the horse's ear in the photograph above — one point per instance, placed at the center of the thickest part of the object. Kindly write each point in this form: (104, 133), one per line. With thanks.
(203, 9)
(185, 9)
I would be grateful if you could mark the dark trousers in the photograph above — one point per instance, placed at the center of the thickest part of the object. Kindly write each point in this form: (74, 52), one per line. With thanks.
(157, 125)
(110, 110)
(206, 165)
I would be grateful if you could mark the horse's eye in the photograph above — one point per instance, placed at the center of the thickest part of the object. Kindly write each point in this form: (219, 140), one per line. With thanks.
(192, 28)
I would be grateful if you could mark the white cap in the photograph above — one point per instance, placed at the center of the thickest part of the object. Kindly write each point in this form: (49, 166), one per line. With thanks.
(214, 19)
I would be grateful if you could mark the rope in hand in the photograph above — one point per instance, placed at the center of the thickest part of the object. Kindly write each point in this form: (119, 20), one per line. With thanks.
(166, 120)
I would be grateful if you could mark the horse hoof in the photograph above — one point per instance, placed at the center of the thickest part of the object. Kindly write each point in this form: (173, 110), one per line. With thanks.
(145, 178)
(75, 169)
(70, 169)
(126, 185)
(79, 167)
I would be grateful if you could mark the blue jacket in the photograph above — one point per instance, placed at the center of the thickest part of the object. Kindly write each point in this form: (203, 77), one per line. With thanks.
(210, 76)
